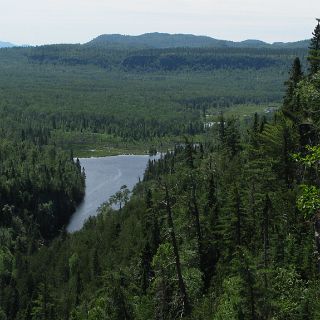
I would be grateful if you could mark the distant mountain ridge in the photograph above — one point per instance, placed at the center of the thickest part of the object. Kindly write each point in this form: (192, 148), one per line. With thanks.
(6, 44)
(165, 40)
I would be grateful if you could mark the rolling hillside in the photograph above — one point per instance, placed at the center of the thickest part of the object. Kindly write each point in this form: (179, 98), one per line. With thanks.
(166, 40)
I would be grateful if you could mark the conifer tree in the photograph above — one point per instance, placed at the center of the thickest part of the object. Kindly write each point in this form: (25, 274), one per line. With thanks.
(196, 216)
(296, 75)
(183, 292)
(314, 50)
(232, 137)
(189, 153)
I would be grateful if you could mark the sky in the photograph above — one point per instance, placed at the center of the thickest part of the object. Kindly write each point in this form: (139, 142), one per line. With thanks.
(37, 22)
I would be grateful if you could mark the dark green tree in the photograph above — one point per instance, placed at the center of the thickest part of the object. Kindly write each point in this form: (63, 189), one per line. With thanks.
(314, 50)
(291, 105)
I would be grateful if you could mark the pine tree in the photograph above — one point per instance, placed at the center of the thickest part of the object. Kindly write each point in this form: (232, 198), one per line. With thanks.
(254, 131)
(96, 268)
(182, 288)
(189, 153)
(296, 75)
(146, 272)
(197, 225)
(314, 50)
(43, 306)
(232, 137)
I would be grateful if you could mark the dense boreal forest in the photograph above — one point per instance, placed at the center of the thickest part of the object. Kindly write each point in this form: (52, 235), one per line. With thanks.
(228, 228)
(165, 40)
(89, 97)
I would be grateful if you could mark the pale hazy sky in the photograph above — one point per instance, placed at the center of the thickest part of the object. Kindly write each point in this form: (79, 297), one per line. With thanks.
(74, 21)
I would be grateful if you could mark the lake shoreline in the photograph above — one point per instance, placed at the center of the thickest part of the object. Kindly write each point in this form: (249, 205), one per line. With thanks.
(104, 177)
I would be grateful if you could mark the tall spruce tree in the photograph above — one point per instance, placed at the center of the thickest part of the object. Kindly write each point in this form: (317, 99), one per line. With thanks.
(296, 75)
(314, 50)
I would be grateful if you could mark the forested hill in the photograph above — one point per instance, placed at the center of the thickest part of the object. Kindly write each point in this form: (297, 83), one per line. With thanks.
(166, 40)
(93, 98)
(172, 59)
(224, 229)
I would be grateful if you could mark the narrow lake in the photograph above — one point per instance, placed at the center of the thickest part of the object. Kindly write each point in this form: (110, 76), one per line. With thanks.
(104, 177)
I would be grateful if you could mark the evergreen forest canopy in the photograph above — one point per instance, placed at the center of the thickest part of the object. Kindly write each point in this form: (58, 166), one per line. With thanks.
(166, 40)
(227, 228)
(90, 97)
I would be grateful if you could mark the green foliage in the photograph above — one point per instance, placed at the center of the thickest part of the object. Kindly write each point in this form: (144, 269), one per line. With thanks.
(120, 197)
(106, 118)
(98, 310)
(2, 315)
(310, 159)
(290, 294)
(308, 93)
(39, 181)
(43, 305)
(309, 201)
(229, 303)
(6, 262)
(314, 50)
(213, 229)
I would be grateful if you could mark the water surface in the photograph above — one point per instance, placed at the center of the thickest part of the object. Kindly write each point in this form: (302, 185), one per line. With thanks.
(104, 177)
